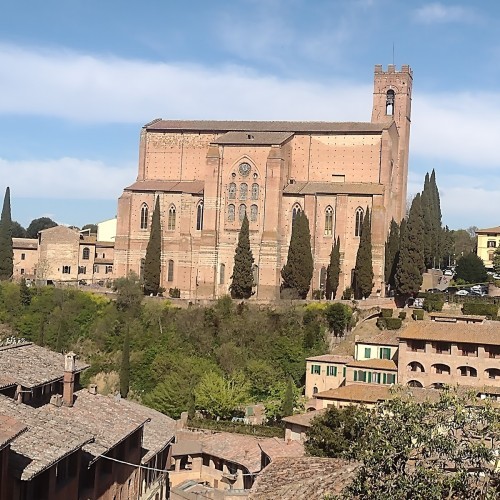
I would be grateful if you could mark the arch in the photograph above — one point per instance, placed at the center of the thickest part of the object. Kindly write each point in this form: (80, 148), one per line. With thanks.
(222, 274)
(328, 221)
(466, 371)
(172, 212)
(144, 216)
(255, 274)
(358, 225)
(199, 216)
(315, 390)
(492, 373)
(170, 270)
(437, 385)
(243, 191)
(230, 213)
(322, 278)
(389, 102)
(86, 253)
(296, 209)
(254, 212)
(232, 191)
(415, 366)
(255, 191)
(414, 383)
(441, 368)
(242, 210)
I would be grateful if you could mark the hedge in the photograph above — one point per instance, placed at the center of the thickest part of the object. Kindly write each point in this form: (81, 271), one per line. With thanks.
(402, 315)
(386, 313)
(418, 314)
(389, 323)
(433, 302)
(480, 309)
(239, 428)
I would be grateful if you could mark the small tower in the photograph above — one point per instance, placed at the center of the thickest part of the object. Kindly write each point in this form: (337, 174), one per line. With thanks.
(69, 379)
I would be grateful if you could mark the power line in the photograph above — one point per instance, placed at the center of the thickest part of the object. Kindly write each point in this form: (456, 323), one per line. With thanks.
(133, 465)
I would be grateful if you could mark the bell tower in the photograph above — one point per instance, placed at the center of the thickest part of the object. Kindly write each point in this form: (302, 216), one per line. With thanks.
(392, 102)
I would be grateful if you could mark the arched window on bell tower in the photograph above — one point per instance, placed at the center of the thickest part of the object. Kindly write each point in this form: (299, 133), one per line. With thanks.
(389, 103)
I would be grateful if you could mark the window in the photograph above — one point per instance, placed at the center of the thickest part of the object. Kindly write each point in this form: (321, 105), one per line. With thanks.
(171, 218)
(441, 369)
(385, 353)
(296, 209)
(492, 373)
(416, 345)
(359, 376)
(22, 271)
(414, 383)
(254, 211)
(23, 256)
(222, 274)
(66, 269)
(255, 274)
(144, 216)
(467, 371)
(232, 191)
(315, 390)
(389, 103)
(468, 350)
(359, 221)
(368, 352)
(82, 270)
(86, 254)
(415, 366)
(493, 351)
(255, 191)
(316, 369)
(199, 216)
(170, 271)
(442, 347)
(242, 210)
(96, 268)
(243, 191)
(391, 378)
(109, 269)
(230, 213)
(322, 278)
(328, 221)
(491, 244)
(331, 371)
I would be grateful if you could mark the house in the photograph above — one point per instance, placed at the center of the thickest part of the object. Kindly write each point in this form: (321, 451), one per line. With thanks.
(447, 317)
(25, 258)
(296, 426)
(353, 394)
(327, 371)
(381, 346)
(488, 240)
(372, 371)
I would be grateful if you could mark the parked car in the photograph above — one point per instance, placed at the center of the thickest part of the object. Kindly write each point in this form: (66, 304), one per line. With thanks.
(434, 290)
(448, 272)
(450, 289)
(496, 276)
(462, 292)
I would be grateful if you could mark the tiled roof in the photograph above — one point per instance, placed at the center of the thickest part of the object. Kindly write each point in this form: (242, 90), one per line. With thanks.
(331, 358)
(30, 365)
(463, 317)
(387, 337)
(25, 243)
(47, 439)
(305, 478)
(103, 261)
(303, 419)
(360, 393)
(477, 333)
(105, 244)
(9, 429)
(253, 138)
(367, 188)
(267, 126)
(491, 230)
(377, 364)
(191, 187)
(275, 447)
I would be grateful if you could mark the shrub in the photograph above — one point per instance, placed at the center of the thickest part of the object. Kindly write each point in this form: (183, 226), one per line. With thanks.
(381, 323)
(386, 313)
(393, 323)
(174, 293)
(480, 309)
(418, 314)
(318, 294)
(433, 302)
(402, 315)
(347, 295)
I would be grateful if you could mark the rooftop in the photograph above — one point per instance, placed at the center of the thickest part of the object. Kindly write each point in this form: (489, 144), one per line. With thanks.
(303, 419)
(386, 337)
(490, 230)
(475, 333)
(275, 447)
(365, 188)
(191, 187)
(304, 478)
(9, 429)
(460, 317)
(30, 365)
(25, 243)
(331, 358)
(358, 393)
(377, 364)
(254, 138)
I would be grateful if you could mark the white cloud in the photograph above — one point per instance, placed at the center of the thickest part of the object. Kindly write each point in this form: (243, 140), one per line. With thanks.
(66, 178)
(439, 13)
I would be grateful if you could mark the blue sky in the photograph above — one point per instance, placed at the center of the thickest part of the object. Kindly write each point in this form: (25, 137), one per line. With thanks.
(78, 79)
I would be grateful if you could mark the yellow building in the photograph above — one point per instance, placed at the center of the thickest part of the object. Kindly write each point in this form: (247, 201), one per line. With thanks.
(488, 240)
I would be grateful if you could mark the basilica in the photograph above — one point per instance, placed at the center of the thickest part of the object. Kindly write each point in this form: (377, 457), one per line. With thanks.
(208, 174)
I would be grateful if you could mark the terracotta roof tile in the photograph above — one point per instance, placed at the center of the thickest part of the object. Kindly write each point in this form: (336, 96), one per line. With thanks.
(9, 429)
(378, 364)
(191, 187)
(298, 188)
(359, 393)
(25, 243)
(387, 337)
(303, 419)
(462, 317)
(275, 447)
(491, 230)
(331, 358)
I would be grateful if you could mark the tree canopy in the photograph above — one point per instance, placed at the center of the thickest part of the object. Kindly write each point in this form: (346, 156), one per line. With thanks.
(18, 231)
(37, 225)
(333, 271)
(242, 277)
(152, 261)
(363, 270)
(470, 268)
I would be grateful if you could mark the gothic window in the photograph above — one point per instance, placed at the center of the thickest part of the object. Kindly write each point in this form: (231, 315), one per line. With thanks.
(242, 211)
(144, 216)
(232, 191)
(254, 210)
(222, 274)
(359, 221)
(329, 221)
(255, 191)
(295, 211)
(230, 213)
(86, 254)
(243, 191)
(170, 271)
(389, 103)
(199, 216)
(171, 218)
(255, 272)
(322, 278)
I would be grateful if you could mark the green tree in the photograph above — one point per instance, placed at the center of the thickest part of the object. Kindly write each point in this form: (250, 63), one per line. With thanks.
(6, 249)
(363, 270)
(496, 260)
(411, 265)
(298, 270)
(220, 396)
(391, 253)
(125, 365)
(18, 231)
(338, 317)
(287, 408)
(470, 268)
(24, 292)
(37, 225)
(428, 215)
(152, 263)
(333, 271)
(242, 278)
(91, 227)
(128, 294)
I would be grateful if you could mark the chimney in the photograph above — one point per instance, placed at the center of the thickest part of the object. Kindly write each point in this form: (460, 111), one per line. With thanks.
(69, 378)
(93, 389)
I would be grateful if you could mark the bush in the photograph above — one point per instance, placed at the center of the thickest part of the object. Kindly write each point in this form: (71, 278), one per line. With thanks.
(347, 295)
(239, 428)
(393, 323)
(386, 313)
(174, 293)
(381, 323)
(418, 314)
(480, 309)
(433, 302)
(318, 294)
(402, 315)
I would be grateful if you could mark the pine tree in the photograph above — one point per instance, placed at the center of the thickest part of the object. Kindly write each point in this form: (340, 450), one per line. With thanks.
(333, 271)
(363, 270)
(298, 270)
(125, 366)
(242, 278)
(411, 265)
(392, 246)
(152, 263)
(6, 250)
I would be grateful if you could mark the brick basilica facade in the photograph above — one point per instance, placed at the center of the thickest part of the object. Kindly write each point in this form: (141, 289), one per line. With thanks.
(207, 174)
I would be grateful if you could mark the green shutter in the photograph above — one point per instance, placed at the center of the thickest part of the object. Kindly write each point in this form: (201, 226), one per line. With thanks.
(369, 377)
(368, 352)
(344, 371)
(384, 378)
(335, 371)
(355, 375)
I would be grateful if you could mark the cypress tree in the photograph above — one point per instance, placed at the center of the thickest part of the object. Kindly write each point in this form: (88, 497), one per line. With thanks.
(287, 408)
(152, 263)
(6, 249)
(242, 278)
(428, 215)
(438, 231)
(298, 270)
(333, 271)
(363, 270)
(392, 246)
(125, 366)
(411, 265)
